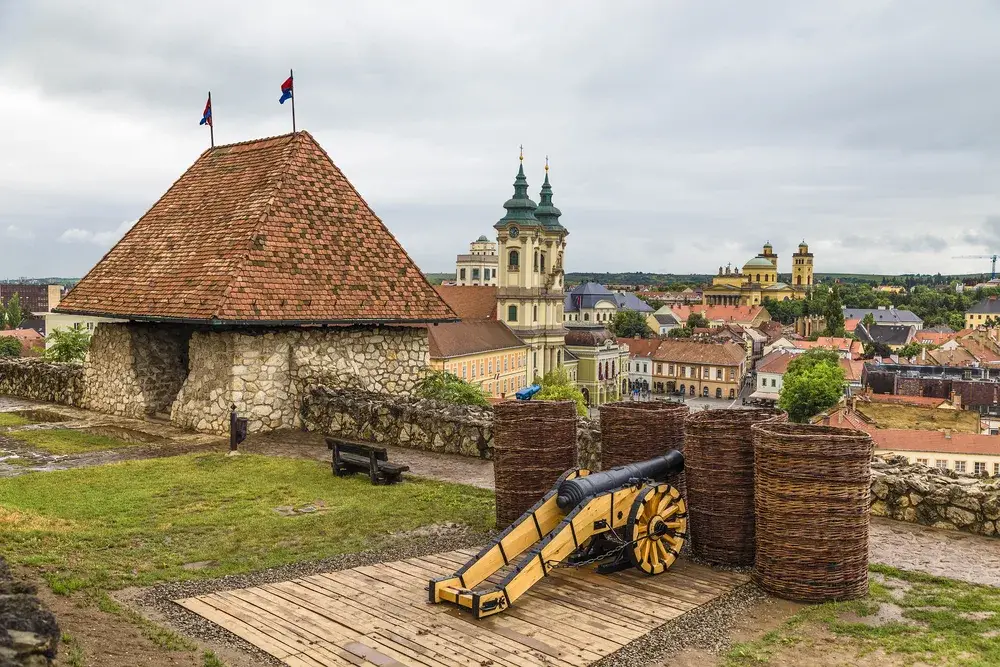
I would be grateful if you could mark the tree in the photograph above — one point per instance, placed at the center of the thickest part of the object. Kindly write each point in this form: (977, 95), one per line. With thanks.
(910, 350)
(556, 386)
(833, 312)
(67, 345)
(629, 324)
(14, 314)
(813, 382)
(680, 332)
(697, 321)
(10, 347)
(868, 320)
(785, 312)
(449, 388)
(872, 350)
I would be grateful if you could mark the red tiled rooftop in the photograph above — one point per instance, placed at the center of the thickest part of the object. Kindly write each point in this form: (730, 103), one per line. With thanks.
(641, 347)
(470, 302)
(722, 354)
(456, 339)
(716, 313)
(268, 231)
(28, 337)
(890, 439)
(899, 399)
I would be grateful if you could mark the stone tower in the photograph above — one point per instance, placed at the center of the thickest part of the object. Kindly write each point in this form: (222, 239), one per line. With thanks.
(530, 287)
(802, 267)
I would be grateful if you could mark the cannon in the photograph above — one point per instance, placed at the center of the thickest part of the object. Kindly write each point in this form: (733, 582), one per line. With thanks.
(624, 517)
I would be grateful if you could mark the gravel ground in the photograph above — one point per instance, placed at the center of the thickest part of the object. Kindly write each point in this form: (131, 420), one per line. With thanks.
(707, 627)
(156, 602)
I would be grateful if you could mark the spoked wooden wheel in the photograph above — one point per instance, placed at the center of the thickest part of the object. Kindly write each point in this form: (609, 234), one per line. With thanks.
(657, 526)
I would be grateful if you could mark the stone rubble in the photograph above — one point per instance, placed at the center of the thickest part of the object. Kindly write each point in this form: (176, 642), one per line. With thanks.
(933, 497)
(29, 635)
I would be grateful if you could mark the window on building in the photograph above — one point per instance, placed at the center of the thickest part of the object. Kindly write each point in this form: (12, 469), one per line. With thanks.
(758, 277)
(536, 260)
(996, 468)
(475, 274)
(706, 372)
(534, 359)
(505, 386)
(465, 367)
(504, 363)
(704, 392)
(691, 390)
(941, 464)
(659, 369)
(763, 382)
(718, 374)
(490, 366)
(774, 382)
(461, 274)
(645, 368)
(534, 313)
(718, 392)
(559, 357)
(513, 260)
(512, 313)
(732, 375)
(732, 393)
(922, 462)
(473, 370)
(489, 386)
(482, 366)
(959, 466)
(979, 467)
(542, 262)
(586, 317)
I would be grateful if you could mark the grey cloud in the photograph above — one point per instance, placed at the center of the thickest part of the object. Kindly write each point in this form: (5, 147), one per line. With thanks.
(683, 135)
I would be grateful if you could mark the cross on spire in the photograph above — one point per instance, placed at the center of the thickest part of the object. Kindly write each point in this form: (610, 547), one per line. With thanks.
(546, 163)
(521, 157)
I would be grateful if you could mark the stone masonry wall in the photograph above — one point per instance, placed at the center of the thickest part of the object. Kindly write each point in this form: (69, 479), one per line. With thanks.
(932, 497)
(266, 373)
(29, 635)
(419, 423)
(40, 380)
(135, 369)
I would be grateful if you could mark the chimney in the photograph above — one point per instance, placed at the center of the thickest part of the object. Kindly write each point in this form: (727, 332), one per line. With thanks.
(55, 296)
(947, 434)
(923, 354)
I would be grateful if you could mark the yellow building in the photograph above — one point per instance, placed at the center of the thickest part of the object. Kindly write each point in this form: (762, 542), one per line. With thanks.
(479, 266)
(758, 280)
(708, 370)
(479, 349)
(602, 363)
(530, 285)
(983, 314)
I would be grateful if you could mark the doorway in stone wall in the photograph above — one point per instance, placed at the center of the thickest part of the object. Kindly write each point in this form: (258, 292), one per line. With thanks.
(160, 355)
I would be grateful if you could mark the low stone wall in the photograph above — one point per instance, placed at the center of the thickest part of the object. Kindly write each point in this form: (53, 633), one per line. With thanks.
(419, 423)
(266, 373)
(40, 380)
(932, 497)
(29, 635)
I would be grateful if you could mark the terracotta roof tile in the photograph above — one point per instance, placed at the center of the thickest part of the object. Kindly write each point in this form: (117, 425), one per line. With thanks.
(470, 302)
(722, 354)
(266, 231)
(641, 347)
(890, 439)
(899, 399)
(456, 339)
(718, 313)
(28, 337)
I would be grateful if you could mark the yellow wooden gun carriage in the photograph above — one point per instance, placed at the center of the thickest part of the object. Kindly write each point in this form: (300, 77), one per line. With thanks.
(627, 516)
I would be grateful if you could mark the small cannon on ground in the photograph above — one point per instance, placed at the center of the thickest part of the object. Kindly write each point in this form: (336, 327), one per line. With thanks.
(629, 514)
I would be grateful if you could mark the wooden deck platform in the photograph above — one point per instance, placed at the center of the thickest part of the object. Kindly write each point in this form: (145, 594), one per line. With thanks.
(379, 616)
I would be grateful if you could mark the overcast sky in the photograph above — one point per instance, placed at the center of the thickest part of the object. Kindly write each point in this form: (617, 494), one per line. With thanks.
(682, 135)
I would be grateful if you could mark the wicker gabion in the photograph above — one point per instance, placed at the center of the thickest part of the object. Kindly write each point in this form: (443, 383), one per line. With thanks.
(534, 442)
(638, 430)
(812, 501)
(719, 466)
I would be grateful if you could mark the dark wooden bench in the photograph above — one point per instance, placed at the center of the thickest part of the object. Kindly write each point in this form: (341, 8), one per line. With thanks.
(351, 457)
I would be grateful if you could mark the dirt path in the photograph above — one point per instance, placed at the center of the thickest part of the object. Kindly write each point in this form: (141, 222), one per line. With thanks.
(943, 553)
(433, 465)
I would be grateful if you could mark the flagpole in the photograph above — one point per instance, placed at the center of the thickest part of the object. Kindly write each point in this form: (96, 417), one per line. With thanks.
(211, 125)
(291, 75)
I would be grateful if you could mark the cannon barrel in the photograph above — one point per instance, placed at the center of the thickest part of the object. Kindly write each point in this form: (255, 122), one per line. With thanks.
(573, 491)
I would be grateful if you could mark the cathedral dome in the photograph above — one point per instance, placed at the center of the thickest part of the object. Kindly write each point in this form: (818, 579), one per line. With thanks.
(758, 262)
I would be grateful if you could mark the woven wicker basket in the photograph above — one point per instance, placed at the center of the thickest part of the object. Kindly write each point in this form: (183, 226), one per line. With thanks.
(638, 430)
(812, 501)
(534, 442)
(719, 466)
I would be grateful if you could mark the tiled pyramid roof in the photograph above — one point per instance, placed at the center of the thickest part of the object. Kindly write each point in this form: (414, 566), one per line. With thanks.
(263, 232)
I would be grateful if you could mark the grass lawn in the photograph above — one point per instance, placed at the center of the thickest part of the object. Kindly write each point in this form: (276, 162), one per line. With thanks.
(139, 522)
(909, 617)
(888, 415)
(67, 441)
(10, 419)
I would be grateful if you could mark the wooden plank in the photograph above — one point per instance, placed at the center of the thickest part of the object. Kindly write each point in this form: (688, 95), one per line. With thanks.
(371, 655)
(368, 621)
(465, 630)
(255, 619)
(254, 635)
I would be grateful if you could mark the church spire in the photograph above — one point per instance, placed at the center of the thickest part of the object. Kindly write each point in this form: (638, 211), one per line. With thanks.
(547, 213)
(520, 207)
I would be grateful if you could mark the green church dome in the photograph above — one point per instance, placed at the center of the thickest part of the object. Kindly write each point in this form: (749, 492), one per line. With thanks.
(520, 208)
(758, 262)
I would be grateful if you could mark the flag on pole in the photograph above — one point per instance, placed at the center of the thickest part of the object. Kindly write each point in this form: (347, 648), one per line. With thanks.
(206, 115)
(286, 90)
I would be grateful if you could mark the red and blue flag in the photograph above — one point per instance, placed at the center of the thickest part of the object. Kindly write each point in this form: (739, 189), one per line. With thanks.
(286, 90)
(206, 115)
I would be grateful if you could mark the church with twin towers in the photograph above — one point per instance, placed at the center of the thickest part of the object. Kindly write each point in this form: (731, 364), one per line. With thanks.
(526, 267)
